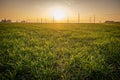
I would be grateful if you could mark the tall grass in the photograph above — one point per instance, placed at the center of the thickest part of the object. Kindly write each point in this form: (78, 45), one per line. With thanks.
(59, 51)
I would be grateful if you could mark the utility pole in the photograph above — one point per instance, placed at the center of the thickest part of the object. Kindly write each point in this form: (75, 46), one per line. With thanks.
(53, 19)
(90, 20)
(94, 18)
(41, 20)
(67, 19)
(78, 18)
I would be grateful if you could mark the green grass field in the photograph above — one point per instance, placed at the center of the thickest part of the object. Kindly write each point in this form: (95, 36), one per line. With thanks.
(59, 51)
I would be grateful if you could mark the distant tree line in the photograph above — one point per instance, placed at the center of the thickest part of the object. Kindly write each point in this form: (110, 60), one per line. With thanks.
(112, 22)
(10, 21)
(6, 20)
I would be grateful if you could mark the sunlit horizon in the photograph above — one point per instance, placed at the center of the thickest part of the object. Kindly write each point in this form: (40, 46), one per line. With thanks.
(45, 10)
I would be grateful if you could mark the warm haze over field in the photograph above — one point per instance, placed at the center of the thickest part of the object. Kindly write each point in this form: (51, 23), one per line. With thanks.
(34, 10)
(59, 39)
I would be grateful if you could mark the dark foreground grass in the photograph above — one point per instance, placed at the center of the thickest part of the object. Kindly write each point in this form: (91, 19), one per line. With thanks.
(59, 51)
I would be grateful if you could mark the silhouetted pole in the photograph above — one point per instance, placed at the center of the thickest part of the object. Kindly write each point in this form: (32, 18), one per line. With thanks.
(94, 18)
(78, 18)
(90, 20)
(67, 19)
(41, 20)
(53, 20)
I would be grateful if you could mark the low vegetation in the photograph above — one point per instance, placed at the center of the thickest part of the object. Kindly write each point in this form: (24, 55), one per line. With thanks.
(59, 51)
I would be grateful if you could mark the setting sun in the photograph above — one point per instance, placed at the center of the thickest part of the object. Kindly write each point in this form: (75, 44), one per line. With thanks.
(58, 14)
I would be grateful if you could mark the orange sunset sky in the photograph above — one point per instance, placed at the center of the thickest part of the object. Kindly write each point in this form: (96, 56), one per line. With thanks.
(34, 10)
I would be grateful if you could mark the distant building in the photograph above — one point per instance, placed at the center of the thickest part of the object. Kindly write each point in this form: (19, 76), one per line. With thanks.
(6, 20)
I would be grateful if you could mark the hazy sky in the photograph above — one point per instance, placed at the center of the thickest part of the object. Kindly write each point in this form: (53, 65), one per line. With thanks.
(37, 9)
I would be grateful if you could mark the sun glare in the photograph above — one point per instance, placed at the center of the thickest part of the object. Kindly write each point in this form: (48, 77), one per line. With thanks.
(58, 14)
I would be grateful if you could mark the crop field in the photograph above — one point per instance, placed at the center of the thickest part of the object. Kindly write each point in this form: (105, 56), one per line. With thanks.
(32, 51)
